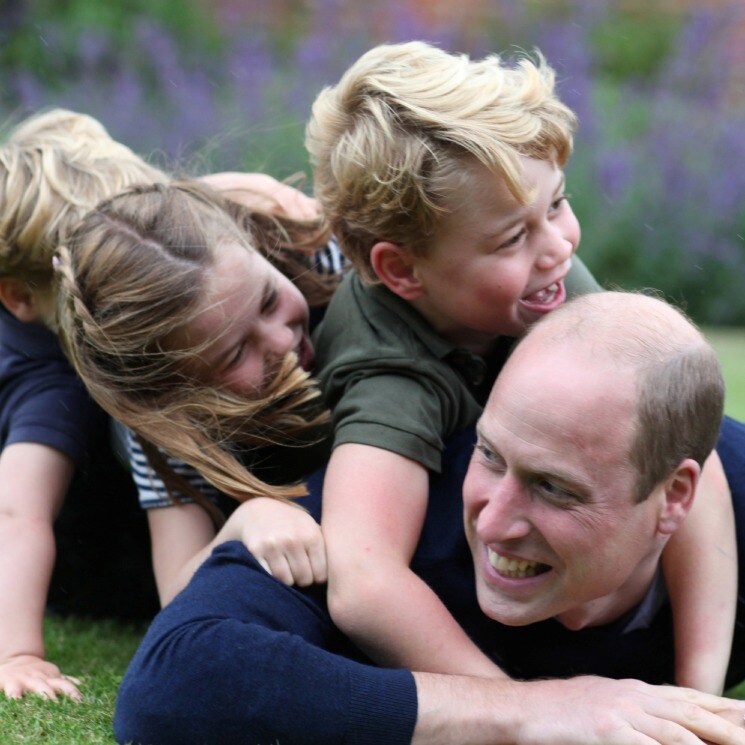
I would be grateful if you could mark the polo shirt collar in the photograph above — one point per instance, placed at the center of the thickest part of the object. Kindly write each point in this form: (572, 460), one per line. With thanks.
(438, 345)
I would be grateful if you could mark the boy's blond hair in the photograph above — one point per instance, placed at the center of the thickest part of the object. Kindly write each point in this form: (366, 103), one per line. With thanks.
(388, 139)
(54, 167)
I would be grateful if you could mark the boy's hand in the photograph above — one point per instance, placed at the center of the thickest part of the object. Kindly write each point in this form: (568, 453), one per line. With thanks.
(285, 540)
(30, 674)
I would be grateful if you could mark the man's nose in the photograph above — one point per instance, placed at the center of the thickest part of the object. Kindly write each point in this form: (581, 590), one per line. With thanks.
(505, 516)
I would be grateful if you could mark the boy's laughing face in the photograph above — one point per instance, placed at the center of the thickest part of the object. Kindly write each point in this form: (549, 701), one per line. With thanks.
(496, 265)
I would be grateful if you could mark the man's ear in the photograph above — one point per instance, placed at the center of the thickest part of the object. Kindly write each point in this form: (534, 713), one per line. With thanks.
(18, 298)
(679, 490)
(395, 269)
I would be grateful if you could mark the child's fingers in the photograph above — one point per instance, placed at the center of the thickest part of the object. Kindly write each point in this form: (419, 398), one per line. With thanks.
(317, 559)
(305, 208)
(65, 687)
(41, 688)
(295, 204)
(13, 690)
(301, 567)
(279, 568)
(45, 688)
(29, 674)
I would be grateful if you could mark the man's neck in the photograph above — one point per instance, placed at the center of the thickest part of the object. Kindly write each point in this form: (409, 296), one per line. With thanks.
(609, 608)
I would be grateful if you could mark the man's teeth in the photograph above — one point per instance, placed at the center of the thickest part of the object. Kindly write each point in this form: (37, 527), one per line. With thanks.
(513, 567)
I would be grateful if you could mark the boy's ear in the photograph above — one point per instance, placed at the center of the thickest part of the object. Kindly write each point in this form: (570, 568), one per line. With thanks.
(679, 491)
(18, 299)
(395, 269)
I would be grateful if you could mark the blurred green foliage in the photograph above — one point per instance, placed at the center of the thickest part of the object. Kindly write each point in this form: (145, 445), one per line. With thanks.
(656, 180)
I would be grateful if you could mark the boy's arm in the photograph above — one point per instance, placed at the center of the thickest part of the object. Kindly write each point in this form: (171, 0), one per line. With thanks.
(374, 504)
(700, 565)
(34, 479)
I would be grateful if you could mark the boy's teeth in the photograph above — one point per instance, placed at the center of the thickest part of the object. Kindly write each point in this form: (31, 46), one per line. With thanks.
(513, 567)
(545, 295)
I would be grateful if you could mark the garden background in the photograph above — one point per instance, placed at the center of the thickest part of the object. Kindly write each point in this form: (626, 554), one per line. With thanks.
(657, 179)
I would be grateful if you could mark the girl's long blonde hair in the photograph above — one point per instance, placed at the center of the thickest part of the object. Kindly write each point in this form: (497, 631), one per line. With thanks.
(131, 274)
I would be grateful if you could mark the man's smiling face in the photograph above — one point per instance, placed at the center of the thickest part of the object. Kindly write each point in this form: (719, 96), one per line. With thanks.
(549, 498)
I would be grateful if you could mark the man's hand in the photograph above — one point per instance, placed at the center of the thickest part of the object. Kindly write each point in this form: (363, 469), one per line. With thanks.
(595, 711)
(578, 711)
(29, 674)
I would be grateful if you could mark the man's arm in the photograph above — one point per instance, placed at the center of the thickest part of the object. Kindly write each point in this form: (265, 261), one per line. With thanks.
(34, 479)
(576, 711)
(700, 565)
(264, 648)
(374, 505)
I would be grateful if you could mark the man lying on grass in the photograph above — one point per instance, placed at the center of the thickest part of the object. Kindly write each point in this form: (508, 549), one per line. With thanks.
(587, 460)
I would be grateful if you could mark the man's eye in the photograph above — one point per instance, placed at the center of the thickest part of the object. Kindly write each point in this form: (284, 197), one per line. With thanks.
(489, 455)
(556, 493)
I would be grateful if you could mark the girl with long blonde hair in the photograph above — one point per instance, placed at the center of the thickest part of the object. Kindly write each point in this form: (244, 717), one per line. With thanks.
(187, 317)
(64, 499)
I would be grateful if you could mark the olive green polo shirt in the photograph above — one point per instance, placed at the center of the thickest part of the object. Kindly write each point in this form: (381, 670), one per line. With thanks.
(391, 381)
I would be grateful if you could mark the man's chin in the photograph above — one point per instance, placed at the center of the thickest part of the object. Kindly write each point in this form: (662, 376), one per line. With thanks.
(508, 612)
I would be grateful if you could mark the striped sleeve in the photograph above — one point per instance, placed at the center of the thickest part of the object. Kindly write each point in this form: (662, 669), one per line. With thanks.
(151, 490)
(330, 259)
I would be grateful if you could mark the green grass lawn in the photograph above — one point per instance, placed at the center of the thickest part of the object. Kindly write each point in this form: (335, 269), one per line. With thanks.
(730, 345)
(98, 652)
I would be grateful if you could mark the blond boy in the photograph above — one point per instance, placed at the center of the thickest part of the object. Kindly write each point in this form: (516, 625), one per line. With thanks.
(442, 179)
(53, 168)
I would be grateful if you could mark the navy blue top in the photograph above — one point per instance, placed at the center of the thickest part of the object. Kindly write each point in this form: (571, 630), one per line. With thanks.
(238, 657)
(42, 399)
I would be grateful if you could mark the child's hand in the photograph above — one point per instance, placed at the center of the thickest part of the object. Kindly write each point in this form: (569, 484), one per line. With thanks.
(259, 191)
(285, 540)
(29, 674)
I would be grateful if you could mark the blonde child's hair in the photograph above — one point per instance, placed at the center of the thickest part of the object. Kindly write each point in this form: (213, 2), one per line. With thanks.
(387, 141)
(54, 167)
(132, 274)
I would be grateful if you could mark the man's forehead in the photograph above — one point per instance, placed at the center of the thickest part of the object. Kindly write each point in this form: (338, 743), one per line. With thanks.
(563, 400)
